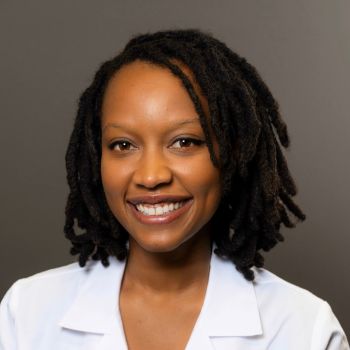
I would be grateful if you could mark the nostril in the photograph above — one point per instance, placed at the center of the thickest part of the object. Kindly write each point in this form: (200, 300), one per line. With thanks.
(152, 179)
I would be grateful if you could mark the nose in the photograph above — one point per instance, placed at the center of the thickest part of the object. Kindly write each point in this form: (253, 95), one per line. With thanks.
(152, 170)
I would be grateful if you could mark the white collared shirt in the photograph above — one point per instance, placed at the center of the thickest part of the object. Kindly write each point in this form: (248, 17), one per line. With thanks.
(77, 308)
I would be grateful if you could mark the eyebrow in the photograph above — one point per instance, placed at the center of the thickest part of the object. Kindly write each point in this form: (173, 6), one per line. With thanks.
(173, 125)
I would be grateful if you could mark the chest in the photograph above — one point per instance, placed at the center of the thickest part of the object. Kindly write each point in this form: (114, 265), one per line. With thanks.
(158, 324)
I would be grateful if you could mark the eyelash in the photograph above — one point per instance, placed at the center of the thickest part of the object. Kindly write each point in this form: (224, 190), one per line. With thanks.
(194, 141)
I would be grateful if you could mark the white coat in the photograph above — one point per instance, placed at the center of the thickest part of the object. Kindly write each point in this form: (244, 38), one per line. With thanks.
(77, 308)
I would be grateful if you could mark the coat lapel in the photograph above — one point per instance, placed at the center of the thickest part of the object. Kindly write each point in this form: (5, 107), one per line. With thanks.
(230, 308)
(95, 309)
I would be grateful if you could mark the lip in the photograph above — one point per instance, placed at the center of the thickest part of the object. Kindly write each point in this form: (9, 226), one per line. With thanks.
(154, 199)
(161, 219)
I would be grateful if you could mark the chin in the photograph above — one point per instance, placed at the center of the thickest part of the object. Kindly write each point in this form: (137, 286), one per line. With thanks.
(160, 247)
(159, 244)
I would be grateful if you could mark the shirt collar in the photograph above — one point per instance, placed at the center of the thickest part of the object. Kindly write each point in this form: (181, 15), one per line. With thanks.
(230, 307)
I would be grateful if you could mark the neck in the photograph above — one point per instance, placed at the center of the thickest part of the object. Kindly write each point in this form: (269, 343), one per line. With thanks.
(184, 268)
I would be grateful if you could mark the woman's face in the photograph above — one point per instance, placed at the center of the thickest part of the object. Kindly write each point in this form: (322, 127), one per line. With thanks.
(156, 170)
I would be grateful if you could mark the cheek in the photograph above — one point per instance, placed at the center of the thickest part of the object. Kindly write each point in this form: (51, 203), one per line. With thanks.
(203, 181)
(114, 179)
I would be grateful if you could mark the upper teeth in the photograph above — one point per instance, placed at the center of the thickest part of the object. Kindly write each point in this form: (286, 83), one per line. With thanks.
(158, 209)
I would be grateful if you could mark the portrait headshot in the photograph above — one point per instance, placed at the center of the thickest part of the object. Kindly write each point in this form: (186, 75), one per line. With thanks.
(175, 175)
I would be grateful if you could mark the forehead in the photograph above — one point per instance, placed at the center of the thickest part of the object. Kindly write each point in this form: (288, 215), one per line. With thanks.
(139, 80)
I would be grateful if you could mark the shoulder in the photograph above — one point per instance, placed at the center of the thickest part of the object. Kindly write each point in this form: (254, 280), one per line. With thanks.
(281, 299)
(294, 311)
(53, 280)
(39, 302)
(51, 290)
(268, 285)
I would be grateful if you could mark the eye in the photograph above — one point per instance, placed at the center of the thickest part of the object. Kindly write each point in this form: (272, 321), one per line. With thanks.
(186, 142)
(121, 145)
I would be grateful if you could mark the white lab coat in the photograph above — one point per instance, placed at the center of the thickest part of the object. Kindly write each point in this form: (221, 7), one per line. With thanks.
(77, 308)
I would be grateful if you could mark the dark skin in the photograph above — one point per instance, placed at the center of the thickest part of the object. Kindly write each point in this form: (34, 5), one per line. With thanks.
(167, 269)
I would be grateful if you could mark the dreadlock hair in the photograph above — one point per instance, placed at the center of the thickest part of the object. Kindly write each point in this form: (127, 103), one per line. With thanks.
(257, 185)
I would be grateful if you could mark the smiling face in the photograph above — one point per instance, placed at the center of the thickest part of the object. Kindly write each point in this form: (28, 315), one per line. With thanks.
(153, 145)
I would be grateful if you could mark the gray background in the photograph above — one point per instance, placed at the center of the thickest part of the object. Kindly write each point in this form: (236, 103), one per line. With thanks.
(49, 51)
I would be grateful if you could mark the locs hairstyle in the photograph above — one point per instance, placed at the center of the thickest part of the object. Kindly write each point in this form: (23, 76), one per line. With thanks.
(257, 185)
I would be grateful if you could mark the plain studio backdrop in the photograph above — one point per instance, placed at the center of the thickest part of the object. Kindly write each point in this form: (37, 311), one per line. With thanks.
(49, 52)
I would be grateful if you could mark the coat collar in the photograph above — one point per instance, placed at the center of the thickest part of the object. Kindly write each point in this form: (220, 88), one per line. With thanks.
(230, 307)
(95, 309)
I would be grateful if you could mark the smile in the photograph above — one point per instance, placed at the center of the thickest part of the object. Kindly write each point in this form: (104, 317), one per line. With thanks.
(159, 209)
(160, 213)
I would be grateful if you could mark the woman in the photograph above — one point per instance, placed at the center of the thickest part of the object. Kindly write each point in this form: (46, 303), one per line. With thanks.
(178, 182)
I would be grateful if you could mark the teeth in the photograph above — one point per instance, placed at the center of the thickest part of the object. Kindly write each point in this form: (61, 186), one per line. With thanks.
(158, 209)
